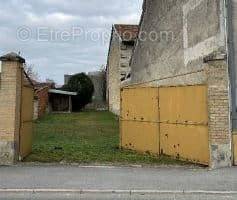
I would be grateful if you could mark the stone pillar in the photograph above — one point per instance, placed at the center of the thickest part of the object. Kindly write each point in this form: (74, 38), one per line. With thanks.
(219, 113)
(10, 105)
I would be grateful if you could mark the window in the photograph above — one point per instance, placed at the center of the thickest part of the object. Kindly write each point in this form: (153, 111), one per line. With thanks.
(123, 56)
(123, 65)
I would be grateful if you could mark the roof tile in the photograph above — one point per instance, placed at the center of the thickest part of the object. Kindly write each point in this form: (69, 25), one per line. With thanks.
(127, 32)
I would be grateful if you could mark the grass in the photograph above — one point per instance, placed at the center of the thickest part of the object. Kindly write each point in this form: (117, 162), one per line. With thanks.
(86, 137)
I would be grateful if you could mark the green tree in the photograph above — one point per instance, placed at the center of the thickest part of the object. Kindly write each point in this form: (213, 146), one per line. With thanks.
(84, 87)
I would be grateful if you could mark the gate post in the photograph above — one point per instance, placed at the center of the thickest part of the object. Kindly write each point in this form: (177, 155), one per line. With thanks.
(219, 112)
(10, 106)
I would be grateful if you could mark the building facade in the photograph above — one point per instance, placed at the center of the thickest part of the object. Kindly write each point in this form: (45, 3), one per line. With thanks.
(192, 42)
(122, 43)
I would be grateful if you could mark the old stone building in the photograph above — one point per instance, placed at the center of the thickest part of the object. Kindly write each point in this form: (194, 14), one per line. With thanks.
(122, 42)
(193, 42)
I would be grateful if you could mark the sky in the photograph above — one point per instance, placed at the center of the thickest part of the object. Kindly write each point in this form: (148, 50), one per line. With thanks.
(60, 37)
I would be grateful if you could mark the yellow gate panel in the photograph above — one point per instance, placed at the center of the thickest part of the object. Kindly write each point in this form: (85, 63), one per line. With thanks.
(183, 104)
(185, 142)
(168, 120)
(26, 129)
(27, 104)
(139, 104)
(26, 139)
(184, 122)
(140, 136)
(235, 148)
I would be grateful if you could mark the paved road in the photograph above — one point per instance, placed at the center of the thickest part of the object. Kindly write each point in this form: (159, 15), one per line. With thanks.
(113, 197)
(125, 180)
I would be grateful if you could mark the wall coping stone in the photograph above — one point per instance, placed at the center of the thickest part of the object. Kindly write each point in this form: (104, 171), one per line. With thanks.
(12, 57)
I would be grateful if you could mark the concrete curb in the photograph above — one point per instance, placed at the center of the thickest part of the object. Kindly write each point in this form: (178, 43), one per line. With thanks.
(131, 192)
(112, 166)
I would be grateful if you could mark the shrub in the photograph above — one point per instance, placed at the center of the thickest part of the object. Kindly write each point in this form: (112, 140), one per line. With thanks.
(84, 87)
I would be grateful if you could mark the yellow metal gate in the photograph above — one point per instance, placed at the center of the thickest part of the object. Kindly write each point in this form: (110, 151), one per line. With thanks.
(166, 120)
(139, 116)
(26, 128)
(235, 148)
(184, 123)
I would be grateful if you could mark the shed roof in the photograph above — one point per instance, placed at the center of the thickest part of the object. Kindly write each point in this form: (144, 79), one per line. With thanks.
(54, 91)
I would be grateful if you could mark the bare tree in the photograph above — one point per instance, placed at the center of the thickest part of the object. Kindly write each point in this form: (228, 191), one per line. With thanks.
(51, 82)
(102, 68)
(48, 80)
(32, 74)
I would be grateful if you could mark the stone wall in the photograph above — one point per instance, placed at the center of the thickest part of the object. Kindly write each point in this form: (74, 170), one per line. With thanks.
(99, 96)
(189, 50)
(187, 31)
(98, 79)
(113, 74)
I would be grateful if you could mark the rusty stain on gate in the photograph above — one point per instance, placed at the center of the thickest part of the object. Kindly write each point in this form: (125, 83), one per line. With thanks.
(26, 128)
(166, 120)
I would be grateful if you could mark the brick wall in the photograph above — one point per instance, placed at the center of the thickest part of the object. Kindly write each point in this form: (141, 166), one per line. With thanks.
(219, 113)
(10, 93)
(43, 99)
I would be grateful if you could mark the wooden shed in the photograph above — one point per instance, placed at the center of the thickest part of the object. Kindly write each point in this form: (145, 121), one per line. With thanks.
(60, 101)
